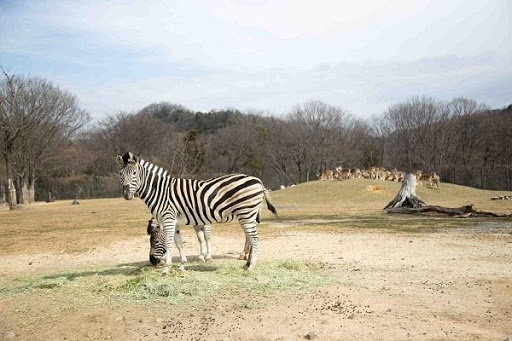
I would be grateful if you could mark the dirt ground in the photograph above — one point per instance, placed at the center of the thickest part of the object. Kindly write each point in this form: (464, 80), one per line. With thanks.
(448, 284)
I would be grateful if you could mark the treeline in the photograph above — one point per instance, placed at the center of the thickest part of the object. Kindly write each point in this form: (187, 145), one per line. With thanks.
(463, 141)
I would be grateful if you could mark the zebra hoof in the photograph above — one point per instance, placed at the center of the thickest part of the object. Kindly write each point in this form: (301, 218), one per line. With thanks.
(201, 258)
(242, 257)
(209, 259)
(182, 268)
(165, 271)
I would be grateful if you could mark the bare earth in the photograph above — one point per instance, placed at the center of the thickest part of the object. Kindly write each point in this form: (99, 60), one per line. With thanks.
(453, 284)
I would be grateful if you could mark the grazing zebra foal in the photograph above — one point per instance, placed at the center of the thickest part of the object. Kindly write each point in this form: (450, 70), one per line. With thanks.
(195, 202)
(157, 242)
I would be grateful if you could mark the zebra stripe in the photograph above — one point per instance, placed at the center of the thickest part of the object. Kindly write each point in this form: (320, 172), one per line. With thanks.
(195, 202)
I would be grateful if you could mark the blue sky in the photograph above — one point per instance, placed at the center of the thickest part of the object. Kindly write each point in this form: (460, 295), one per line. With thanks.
(262, 55)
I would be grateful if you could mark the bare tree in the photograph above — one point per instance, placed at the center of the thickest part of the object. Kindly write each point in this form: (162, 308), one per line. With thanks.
(141, 134)
(34, 115)
(320, 131)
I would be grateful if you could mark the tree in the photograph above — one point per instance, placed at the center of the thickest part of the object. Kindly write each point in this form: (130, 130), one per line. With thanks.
(34, 116)
(142, 134)
(320, 133)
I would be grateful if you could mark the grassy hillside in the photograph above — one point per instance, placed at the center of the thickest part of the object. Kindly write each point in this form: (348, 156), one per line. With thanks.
(330, 205)
(362, 196)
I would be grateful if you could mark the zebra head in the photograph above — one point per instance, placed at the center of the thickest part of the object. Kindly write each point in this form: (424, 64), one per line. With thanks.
(157, 249)
(129, 175)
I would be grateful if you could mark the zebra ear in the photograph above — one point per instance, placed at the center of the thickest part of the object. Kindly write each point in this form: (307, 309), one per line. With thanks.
(128, 157)
(119, 161)
(133, 159)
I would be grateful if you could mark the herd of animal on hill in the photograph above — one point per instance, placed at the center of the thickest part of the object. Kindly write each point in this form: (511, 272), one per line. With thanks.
(377, 173)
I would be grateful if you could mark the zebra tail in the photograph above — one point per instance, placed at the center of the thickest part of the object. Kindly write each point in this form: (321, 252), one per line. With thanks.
(268, 199)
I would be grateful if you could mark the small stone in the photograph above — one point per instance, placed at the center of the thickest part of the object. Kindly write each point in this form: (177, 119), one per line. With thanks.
(310, 336)
(351, 316)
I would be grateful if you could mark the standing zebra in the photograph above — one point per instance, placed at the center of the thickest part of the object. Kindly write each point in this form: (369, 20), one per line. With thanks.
(157, 242)
(195, 202)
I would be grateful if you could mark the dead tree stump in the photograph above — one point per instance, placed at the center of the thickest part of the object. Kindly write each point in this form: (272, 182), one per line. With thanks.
(407, 202)
(406, 196)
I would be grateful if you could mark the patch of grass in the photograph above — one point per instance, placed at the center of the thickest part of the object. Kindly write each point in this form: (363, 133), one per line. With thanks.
(147, 284)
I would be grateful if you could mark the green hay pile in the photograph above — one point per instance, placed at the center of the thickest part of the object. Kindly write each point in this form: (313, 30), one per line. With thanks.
(199, 281)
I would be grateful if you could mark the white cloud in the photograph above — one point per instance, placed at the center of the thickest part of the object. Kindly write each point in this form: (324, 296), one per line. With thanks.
(264, 54)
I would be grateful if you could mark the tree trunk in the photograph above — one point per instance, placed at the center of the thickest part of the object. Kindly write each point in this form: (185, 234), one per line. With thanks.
(11, 194)
(406, 196)
(509, 179)
(25, 193)
(32, 189)
(2, 194)
(11, 189)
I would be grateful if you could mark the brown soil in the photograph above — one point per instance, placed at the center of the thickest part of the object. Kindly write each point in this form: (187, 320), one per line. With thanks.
(453, 284)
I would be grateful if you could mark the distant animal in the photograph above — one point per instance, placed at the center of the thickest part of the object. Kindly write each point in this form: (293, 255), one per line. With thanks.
(428, 178)
(342, 173)
(174, 201)
(326, 175)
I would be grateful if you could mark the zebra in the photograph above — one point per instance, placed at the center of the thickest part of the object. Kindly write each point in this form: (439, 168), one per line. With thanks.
(195, 202)
(157, 242)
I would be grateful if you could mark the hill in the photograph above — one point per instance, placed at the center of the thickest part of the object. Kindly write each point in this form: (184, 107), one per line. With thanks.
(363, 196)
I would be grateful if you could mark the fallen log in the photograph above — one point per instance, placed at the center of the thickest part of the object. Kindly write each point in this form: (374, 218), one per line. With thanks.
(458, 212)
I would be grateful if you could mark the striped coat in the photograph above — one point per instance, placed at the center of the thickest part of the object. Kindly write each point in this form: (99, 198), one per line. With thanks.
(175, 201)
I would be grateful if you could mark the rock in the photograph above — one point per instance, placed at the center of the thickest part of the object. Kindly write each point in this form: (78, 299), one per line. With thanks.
(310, 336)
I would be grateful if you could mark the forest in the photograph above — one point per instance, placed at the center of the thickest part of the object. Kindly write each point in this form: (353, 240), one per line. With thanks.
(51, 149)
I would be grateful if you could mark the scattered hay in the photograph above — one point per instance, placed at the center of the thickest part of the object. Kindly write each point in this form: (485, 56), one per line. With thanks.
(147, 284)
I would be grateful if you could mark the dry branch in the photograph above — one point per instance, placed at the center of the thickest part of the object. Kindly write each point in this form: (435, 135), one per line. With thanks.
(458, 212)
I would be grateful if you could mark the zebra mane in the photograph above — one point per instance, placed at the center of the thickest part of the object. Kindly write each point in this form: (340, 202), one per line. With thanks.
(151, 167)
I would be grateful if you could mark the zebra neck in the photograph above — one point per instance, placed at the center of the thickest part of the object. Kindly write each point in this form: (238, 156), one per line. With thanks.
(153, 178)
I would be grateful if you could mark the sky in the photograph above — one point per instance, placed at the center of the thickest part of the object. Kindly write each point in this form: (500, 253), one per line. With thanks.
(258, 55)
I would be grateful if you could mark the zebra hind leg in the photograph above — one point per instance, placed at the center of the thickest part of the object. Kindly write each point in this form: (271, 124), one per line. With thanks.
(251, 236)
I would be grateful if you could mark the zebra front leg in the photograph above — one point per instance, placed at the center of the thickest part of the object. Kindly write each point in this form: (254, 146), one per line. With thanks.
(169, 226)
(207, 236)
(202, 244)
(252, 236)
(179, 245)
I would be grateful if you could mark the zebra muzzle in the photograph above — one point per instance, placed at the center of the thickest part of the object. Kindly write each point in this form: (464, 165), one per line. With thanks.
(127, 194)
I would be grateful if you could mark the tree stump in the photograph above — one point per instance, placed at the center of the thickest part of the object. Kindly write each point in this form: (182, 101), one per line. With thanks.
(406, 196)
(406, 202)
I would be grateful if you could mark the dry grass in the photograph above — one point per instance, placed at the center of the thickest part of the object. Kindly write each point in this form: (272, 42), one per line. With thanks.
(146, 284)
(352, 197)
(36, 227)
(345, 204)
